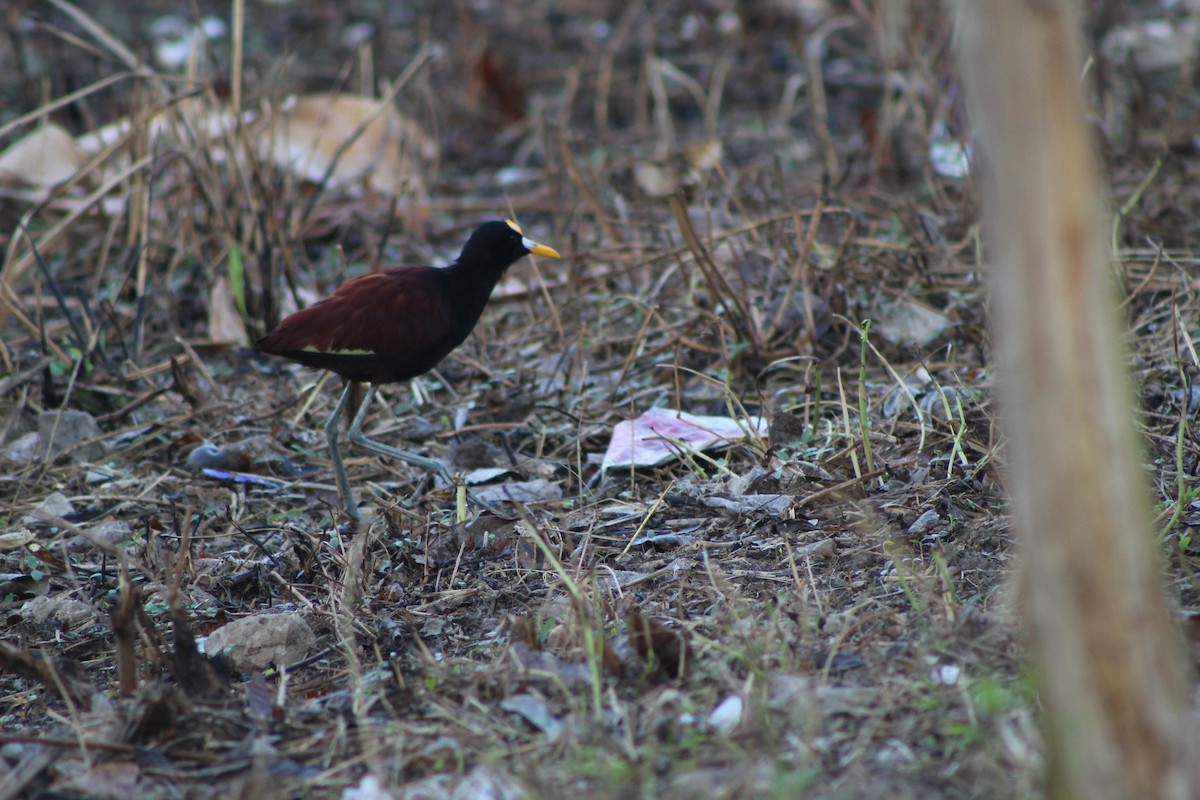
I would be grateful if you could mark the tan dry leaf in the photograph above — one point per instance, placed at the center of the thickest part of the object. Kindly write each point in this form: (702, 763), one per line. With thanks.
(225, 324)
(14, 539)
(191, 119)
(41, 160)
(367, 142)
(704, 156)
(680, 169)
(655, 181)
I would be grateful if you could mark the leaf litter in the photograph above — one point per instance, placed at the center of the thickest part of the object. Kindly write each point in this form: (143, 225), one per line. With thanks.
(767, 612)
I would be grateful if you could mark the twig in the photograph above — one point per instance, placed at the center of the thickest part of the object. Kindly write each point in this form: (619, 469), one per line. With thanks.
(720, 287)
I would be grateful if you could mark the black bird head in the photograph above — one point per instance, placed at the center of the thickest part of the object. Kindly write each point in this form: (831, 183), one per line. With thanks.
(494, 246)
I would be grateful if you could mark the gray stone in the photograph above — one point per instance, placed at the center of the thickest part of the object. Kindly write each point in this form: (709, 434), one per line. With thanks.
(56, 504)
(113, 531)
(264, 639)
(63, 609)
(24, 449)
(59, 431)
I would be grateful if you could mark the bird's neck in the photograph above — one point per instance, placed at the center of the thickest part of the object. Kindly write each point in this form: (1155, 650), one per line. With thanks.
(469, 290)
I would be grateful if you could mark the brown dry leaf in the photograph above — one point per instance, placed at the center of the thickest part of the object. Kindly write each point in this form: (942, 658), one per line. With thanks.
(225, 324)
(500, 86)
(523, 630)
(346, 141)
(658, 644)
(41, 160)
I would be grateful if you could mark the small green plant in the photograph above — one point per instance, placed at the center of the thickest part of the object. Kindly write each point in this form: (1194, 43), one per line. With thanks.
(863, 403)
(605, 768)
(237, 279)
(792, 784)
(1185, 495)
(991, 697)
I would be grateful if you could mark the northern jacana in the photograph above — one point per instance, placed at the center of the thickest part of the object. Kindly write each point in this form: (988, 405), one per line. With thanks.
(391, 326)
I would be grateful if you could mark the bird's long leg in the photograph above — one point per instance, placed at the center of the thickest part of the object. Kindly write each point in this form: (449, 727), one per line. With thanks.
(360, 439)
(335, 452)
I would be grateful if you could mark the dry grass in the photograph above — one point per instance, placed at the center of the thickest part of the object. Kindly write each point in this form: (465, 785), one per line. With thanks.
(867, 632)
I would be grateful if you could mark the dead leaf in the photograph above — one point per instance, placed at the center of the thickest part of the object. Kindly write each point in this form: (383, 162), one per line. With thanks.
(109, 780)
(41, 160)
(15, 539)
(347, 141)
(655, 180)
(659, 645)
(184, 382)
(678, 170)
(500, 85)
(661, 434)
(225, 324)
(524, 631)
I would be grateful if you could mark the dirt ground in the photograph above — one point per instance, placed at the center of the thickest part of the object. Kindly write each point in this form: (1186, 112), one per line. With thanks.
(825, 609)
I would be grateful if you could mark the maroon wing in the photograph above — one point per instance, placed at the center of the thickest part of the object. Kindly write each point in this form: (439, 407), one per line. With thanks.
(381, 327)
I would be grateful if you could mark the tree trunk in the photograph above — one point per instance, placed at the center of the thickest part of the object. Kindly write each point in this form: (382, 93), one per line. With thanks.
(1113, 680)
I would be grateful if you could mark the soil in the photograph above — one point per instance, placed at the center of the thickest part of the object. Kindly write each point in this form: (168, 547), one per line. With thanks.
(824, 609)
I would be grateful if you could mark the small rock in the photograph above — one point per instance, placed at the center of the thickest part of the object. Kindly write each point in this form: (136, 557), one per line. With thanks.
(369, 788)
(774, 504)
(486, 783)
(102, 475)
(533, 491)
(534, 711)
(175, 38)
(56, 504)
(740, 484)
(785, 429)
(209, 456)
(614, 579)
(662, 541)
(908, 324)
(727, 715)
(63, 609)
(946, 674)
(113, 531)
(477, 477)
(356, 35)
(264, 639)
(59, 431)
(855, 701)
(1151, 47)
(826, 548)
(788, 691)
(924, 523)
(23, 450)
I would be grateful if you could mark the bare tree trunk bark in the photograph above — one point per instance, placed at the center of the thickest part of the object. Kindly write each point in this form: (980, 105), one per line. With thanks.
(1112, 674)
